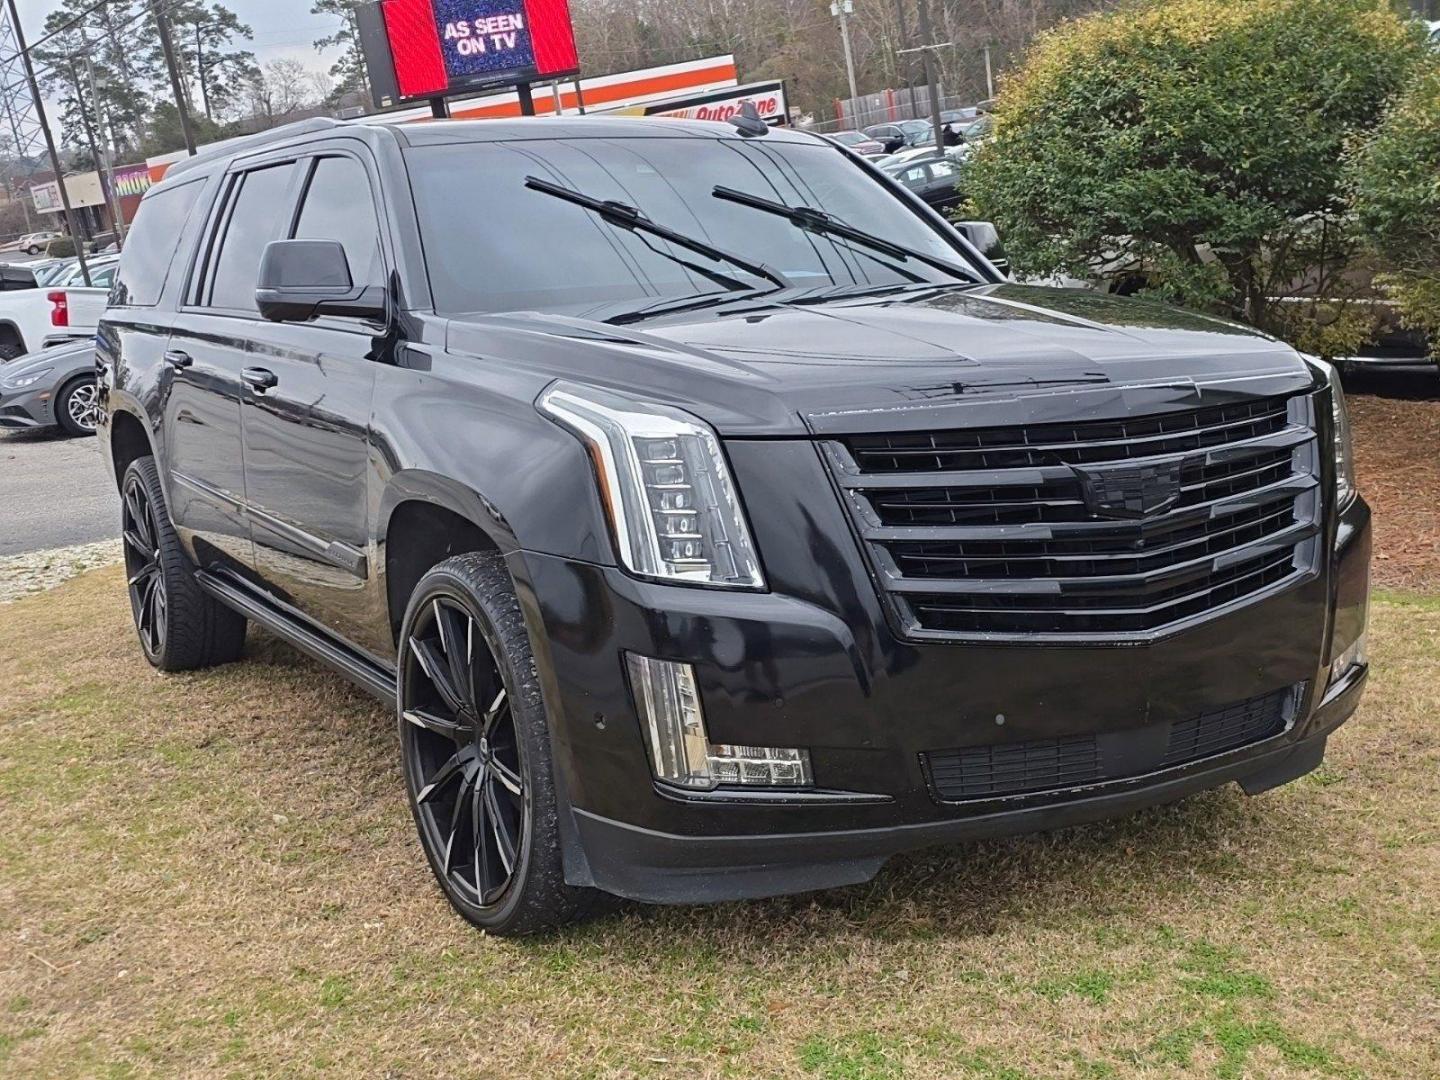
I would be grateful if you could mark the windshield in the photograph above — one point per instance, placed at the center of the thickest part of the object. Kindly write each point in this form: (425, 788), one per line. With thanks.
(494, 244)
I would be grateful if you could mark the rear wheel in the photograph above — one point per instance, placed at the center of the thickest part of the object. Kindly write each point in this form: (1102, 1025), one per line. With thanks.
(476, 752)
(77, 406)
(181, 626)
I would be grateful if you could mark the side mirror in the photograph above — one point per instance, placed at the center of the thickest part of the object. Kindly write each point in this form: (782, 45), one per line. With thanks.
(303, 279)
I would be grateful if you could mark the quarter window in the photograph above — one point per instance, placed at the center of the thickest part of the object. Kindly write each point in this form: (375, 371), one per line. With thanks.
(150, 247)
(258, 217)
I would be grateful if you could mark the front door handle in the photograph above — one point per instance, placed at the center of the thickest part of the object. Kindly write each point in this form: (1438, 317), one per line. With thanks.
(259, 379)
(179, 360)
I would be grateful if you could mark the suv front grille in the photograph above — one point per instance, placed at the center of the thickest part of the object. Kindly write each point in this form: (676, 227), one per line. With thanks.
(988, 772)
(979, 533)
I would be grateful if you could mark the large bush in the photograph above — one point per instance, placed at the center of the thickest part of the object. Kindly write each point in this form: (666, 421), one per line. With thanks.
(1396, 183)
(1200, 142)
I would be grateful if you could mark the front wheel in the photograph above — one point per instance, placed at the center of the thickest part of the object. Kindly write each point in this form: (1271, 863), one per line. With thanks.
(77, 406)
(476, 752)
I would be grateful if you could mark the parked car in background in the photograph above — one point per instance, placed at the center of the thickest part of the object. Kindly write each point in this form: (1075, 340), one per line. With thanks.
(54, 388)
(901, 134)
(711, 540)
(17, 278)
(62, 309)
(924, 152)
(935, 179)
(859, 142)
(36, 242)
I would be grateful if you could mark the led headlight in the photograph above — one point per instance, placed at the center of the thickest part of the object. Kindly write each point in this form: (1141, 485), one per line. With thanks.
(666, 486)
(681, 752)
(20, 382)
(1344, 451)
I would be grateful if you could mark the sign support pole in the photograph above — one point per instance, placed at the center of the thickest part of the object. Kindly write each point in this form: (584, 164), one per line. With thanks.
(440, 108)
(527, 99)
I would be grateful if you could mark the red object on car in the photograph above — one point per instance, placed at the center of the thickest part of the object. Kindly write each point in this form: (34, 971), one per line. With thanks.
(60, 313)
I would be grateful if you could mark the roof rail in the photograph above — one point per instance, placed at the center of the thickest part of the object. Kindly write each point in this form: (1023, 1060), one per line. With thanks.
(231, 147)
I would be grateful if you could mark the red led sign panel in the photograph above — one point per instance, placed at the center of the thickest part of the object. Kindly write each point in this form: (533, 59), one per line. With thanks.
(441, 46)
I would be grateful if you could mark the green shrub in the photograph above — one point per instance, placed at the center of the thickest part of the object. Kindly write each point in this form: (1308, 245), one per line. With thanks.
(1395, 181)
(1198, 145)
(64, 248)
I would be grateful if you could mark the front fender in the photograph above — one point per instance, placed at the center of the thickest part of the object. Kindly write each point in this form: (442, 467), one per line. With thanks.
(486, 453)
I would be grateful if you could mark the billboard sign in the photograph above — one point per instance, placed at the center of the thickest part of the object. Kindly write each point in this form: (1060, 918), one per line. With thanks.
(434, 48)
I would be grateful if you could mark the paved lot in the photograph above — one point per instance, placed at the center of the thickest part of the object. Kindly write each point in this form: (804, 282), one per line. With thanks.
(53, 493)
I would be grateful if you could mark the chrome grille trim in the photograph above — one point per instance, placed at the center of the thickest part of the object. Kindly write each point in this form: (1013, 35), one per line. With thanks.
(1015, 553)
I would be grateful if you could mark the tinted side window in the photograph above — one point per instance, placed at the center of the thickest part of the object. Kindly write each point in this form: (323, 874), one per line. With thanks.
(338, 206)
(259, 215)
(150, 246)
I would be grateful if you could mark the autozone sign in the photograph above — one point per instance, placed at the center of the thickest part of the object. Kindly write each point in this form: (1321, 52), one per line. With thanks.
(768, 98)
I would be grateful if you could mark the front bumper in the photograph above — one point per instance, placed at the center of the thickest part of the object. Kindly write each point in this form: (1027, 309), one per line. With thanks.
(659, 867)
(814, 664)
(28, 408)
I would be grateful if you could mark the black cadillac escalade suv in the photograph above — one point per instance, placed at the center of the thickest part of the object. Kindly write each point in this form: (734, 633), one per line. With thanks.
(719, 521)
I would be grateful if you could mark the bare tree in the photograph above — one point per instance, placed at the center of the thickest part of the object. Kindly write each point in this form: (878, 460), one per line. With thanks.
(282, 88)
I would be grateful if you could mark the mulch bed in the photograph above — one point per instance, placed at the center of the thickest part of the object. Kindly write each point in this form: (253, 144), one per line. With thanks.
(1396, 417)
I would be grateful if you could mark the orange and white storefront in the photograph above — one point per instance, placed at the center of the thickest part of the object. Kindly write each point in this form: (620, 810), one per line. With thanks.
(696, 89)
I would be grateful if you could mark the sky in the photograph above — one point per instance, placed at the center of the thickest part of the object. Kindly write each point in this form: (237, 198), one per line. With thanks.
(282, 27)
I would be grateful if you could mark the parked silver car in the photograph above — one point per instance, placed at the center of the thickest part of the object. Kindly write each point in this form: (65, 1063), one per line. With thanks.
(54, 388)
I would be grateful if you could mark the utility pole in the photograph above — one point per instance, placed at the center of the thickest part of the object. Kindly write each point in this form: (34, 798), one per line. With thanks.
(903, 25)
(70, 222)
(85, 122)
(932, 74)
(842, 10)
(105, 162)
(162, 24)
(989, 76)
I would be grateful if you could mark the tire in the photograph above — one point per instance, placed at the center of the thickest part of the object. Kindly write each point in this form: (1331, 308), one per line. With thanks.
(11, 350)
(77, 408)
(33, 250)
(181, 627)
(475, 749)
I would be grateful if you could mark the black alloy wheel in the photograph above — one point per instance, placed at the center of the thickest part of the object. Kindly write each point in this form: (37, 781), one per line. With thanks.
(461, 749)
(475, 748)
(181, 627)
(148, 599)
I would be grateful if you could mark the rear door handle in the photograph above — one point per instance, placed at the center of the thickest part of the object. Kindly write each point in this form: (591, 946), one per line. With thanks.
(179, 360)
(259, 379)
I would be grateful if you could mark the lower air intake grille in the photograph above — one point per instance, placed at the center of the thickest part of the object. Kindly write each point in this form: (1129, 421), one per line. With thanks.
(988, 772)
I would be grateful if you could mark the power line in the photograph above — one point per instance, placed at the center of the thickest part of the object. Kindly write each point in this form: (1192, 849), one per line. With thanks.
(76, 21)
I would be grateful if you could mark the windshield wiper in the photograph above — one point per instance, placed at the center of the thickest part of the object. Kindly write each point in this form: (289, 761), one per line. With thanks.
(818, 221)
(624, 216)
(672, 305)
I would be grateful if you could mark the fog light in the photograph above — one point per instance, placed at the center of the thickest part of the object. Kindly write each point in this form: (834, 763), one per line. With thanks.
(681, 752)
(1356, 655)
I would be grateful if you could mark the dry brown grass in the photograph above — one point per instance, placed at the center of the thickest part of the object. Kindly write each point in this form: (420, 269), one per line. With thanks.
(215, 874)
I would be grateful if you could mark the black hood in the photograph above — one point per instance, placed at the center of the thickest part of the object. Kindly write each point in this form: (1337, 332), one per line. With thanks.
(932, 358)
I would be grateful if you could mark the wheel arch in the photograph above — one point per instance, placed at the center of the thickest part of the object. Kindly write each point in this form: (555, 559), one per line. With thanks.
(10, 332)
(129, 440)
(425, 519)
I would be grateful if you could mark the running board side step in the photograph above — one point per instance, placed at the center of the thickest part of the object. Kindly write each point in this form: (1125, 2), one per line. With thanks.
(363, 672)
